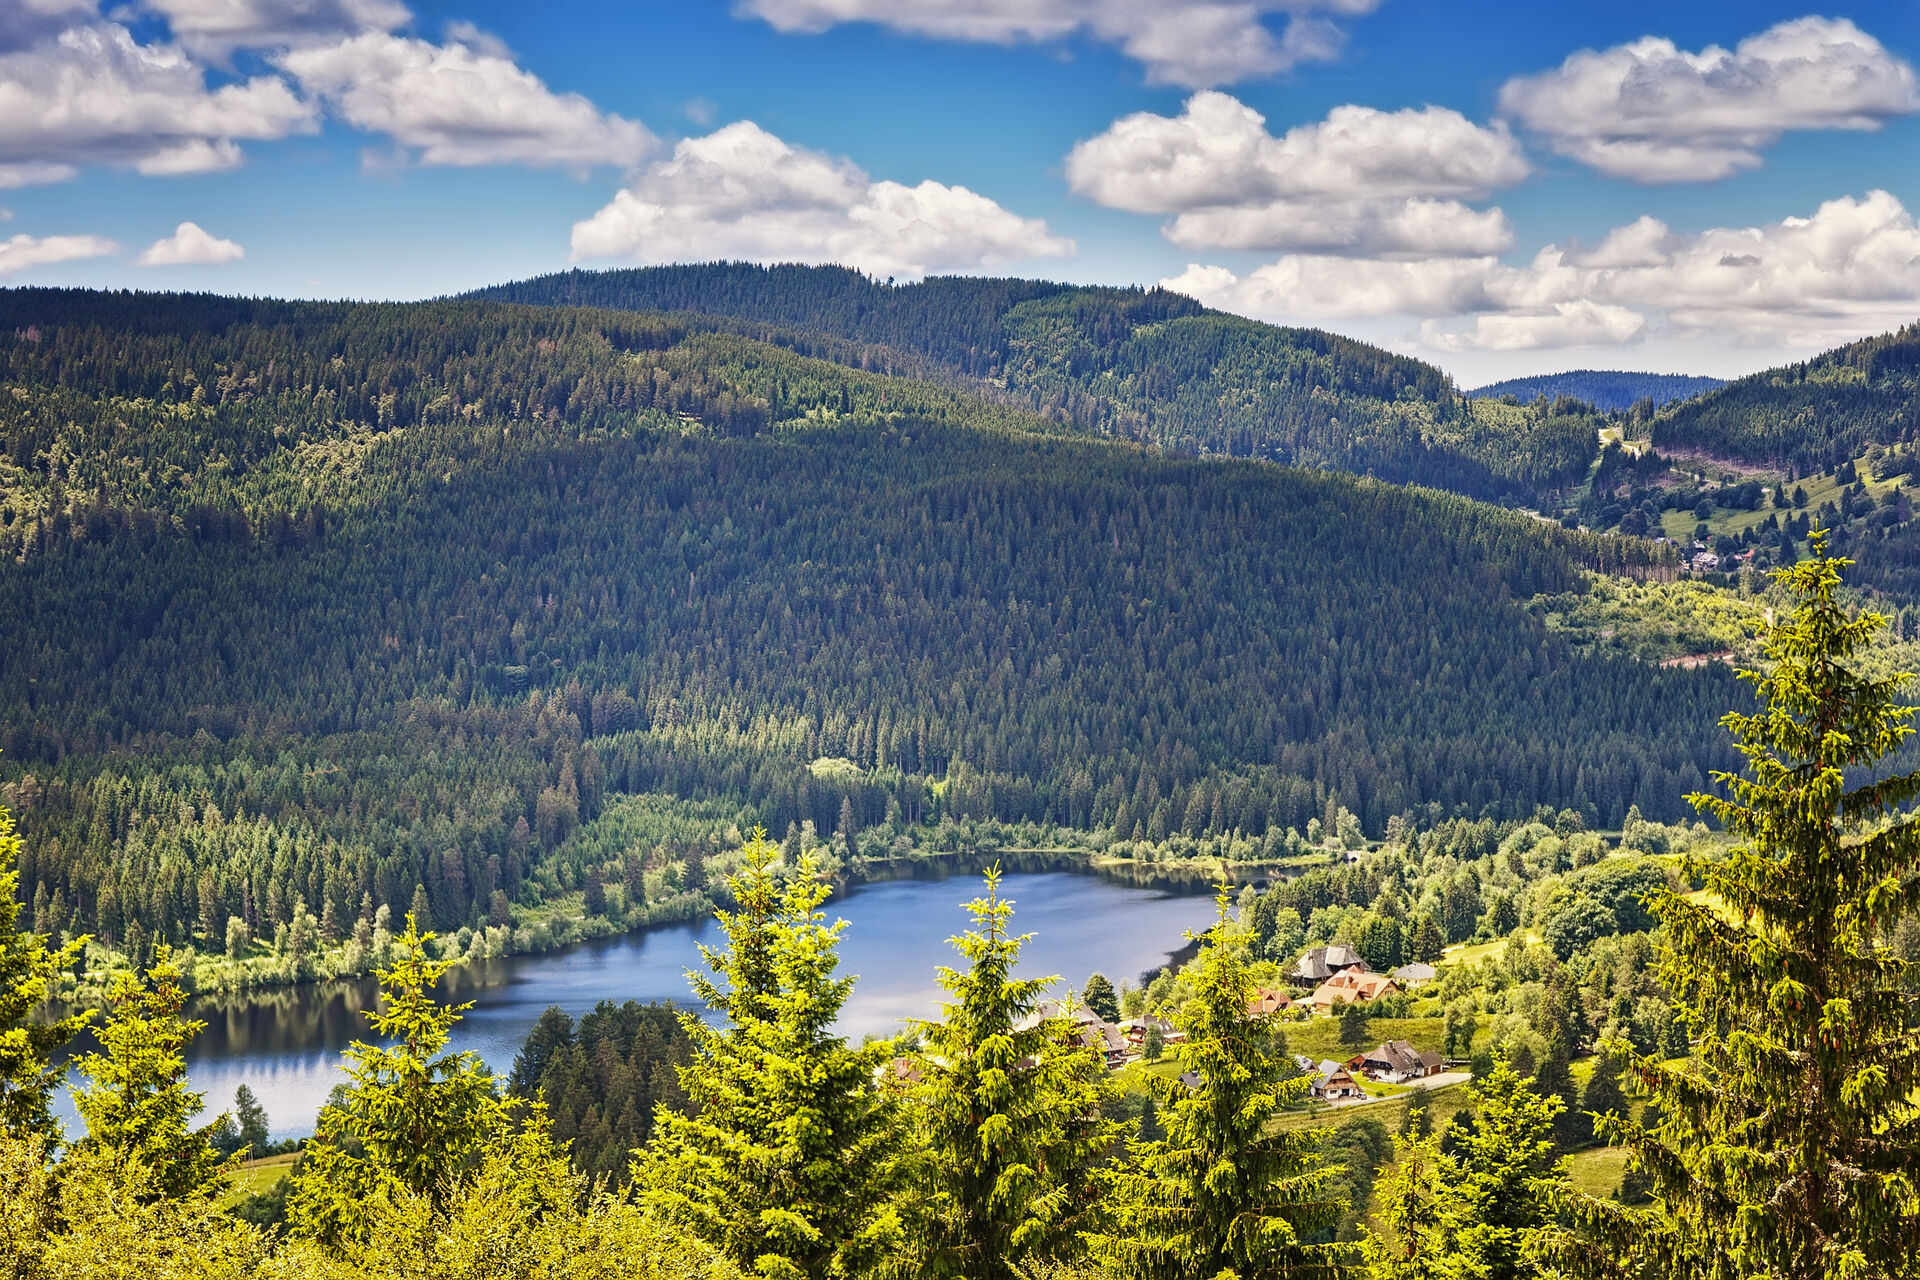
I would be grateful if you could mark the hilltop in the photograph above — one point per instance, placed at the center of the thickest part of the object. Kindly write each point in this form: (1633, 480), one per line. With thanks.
(1605, 389)
(1146, 365)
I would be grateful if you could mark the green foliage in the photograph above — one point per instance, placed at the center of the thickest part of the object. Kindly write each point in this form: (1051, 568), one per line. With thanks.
(1005, 1111)
(1605, 389)
(297, 644)
(604, 1081)
(252, 1120)
(1100, 997)
(136, 1103)
(1787, 1145)
(1508, 1178)
(1223, 1192)
(29, 970)
(1416, 1197)
(1653, 620)
(1813, 414)
(411, 1118)
(1146, 364)
(786, 1163)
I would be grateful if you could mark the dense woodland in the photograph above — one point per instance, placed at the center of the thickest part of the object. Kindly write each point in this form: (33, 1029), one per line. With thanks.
(1605, 389)
(1812, 416)
(1144, 364)
(330, 608)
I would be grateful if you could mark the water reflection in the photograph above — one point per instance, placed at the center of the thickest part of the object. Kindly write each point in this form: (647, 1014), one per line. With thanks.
(285, 1044)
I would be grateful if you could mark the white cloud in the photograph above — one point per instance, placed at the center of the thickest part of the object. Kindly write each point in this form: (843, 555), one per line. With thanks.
(1850, 269)
(25, 22)
(190, 246)
(22, 253)
(94, 95)
(1656, 113)
(215, 28)
(451, 104)
(1361, 181)
(741, 192)
(1194, 43)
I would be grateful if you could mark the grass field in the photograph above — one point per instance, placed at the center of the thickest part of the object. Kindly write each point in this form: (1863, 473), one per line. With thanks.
(1320, 1037)
(256, 1176)
(1597, 1171)
(1679, 525)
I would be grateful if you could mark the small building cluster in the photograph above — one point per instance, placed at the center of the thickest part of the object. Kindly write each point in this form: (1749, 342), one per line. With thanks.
(1395, 1062)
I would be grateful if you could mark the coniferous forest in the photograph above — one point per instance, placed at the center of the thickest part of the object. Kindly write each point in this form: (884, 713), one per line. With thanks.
(333, 611)
(380, 639)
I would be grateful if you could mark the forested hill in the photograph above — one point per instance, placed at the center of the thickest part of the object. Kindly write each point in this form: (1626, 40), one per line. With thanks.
(1148, 365)
(307, 602)
(1813, 415)
(1605, 389)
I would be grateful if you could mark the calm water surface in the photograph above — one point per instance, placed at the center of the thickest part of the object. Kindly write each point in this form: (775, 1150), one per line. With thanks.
(286, 1044)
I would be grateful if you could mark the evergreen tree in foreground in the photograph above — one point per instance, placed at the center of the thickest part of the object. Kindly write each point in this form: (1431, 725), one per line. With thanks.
(1009, 1109)
(27, 973)
(136, 1103)
(1221, 1194)
(788, 1164)
(1788, 1145)
(411, 1118)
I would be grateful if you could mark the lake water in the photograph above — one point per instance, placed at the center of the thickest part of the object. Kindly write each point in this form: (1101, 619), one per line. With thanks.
(285, 1044)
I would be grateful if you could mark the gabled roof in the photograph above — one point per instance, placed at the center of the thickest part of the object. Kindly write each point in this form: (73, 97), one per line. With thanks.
(1418, 971)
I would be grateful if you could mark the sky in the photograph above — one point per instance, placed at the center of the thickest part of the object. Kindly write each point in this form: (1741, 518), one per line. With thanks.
(1500, 188)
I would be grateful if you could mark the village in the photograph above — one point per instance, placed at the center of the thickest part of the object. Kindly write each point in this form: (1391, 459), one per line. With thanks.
(1338, 977)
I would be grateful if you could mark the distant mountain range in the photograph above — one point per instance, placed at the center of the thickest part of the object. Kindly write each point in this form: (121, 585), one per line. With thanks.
(1604, 389)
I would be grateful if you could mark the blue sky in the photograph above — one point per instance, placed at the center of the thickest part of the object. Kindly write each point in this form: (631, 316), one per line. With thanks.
(1500, 188)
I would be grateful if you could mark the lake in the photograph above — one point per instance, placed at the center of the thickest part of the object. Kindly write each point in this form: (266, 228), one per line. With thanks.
(285, 1044)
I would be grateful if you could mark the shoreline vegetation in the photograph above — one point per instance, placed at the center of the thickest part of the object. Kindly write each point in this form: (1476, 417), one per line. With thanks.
(295, 957)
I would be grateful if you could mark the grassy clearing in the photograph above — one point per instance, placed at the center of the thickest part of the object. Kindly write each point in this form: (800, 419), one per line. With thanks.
(1597, 1171)
(256, 1176)
(1679, 525)
(1320, 1037)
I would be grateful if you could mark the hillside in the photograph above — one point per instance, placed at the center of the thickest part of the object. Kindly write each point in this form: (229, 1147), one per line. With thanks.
(1810, 416)
(313, 603)
(1150, 366)
(1605, 389)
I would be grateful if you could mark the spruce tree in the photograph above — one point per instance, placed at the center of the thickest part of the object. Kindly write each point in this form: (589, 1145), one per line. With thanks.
(411, 1118)
(1004, 1109)
(1787, 1145)
(252, 1120)
(1222, 1192)
(1508, 1178)
(788, 1163)
(136, 1102)
(28, 971)
(1100, 997)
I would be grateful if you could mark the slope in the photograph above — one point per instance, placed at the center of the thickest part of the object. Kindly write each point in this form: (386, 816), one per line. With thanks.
(1605, 389)
(1811, 416)
(311, 602)
(1150, 365)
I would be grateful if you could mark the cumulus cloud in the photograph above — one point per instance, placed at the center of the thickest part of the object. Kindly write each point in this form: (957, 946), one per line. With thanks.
(1361, 181)
(22, 253)
(94, 95)
(1194, 43)
(1851, 268)
(450, 104)
(1653, 112)
(25, 22)
(215, 28)
(190, 246)
(741, 192)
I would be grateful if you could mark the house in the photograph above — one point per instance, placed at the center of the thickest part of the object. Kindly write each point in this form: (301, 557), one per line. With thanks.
(1092, 1030)
(1414, 975)
(1135, 1030)
(1329, 1080)
(1320, 963)
(1396, 1062)
(1350, 987)
(1265, 1002)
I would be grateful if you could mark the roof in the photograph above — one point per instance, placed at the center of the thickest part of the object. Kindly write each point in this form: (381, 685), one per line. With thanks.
(1318, 963)
(1418, 971)
(1400, 1057)
(1343, 987)
(1265, 1000)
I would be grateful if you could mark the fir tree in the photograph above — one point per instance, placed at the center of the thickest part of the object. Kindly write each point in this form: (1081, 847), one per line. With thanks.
(411, 1118)
(1787, 1144)
(788, 1163)
(252, 1119)
(1003, 1107)
(1222, 1193)
(136, 1102)
(1416, 1197)
(1508, 1179)
(1100, 997)
(1353, 1024)
(28, 972)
